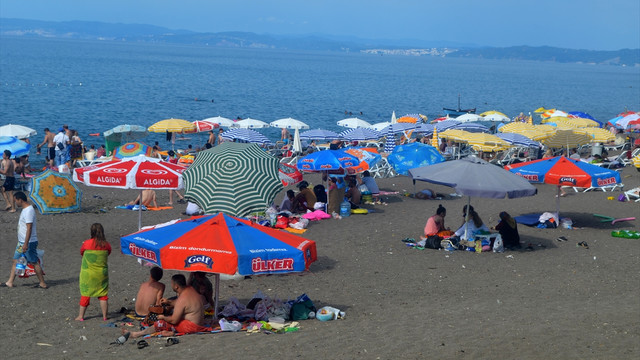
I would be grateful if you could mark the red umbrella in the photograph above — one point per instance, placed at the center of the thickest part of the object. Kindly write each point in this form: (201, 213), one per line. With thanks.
(203, 125)
(139, 172)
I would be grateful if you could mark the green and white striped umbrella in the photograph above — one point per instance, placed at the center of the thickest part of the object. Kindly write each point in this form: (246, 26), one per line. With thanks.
(233, 178)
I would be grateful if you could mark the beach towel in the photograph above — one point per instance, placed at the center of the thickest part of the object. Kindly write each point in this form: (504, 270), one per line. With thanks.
(94, 273)
(153, 208)
(188, 327)
(528, 219)
(295, 231)
(131, 207)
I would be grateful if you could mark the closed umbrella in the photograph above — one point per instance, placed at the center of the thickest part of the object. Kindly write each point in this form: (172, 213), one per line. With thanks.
(414, 155)
(233, 178)
(17, 147)
(390, 141)
(18, 131)
(54, 193)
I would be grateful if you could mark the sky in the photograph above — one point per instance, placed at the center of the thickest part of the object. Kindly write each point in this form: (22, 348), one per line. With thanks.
(575, 24)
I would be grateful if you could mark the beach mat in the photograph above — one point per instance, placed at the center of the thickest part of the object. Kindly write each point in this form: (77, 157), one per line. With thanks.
(528, 219)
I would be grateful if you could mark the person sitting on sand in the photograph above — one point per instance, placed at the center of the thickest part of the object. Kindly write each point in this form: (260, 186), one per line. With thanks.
(287, 202)
(435, 224)
(188, 312)
(305, 200)
(150, 292)
(148, 197)
(94, 273)
(353, 193)
(198, 280)
(508, 229)
(370, 183)
(474, 224)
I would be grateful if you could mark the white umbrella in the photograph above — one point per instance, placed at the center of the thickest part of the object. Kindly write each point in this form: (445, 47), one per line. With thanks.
(250, 123)
(469, 117)
(297, 144)
(222, 121)
(393, 117)
(289, 123)
(17, 131)
(354, 123)
(381, 125)
(496, 117)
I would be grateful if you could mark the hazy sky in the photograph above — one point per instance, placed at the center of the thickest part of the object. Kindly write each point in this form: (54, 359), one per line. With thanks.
(578, 24)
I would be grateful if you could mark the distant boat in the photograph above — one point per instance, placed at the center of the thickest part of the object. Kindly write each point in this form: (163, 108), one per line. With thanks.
(457, 112)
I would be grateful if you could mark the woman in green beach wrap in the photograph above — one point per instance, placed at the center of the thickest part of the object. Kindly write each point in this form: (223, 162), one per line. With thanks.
(94, 273)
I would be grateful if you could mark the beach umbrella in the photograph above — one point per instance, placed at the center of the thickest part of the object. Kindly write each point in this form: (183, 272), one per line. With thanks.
(233, 178)
(408, 119)
(54, 193)
(469, 117)
(562, 171)
(571, 123)
(475, 177)
(517, 140)
(138, 172)
(326, 160)
(360, 134)
(18, 131)
(424, 128)
(221, 244)
(132, 149)
(250, 123)
(289, 175)
(598, 135)
(486, 142)
(566, 139)
(289, 123)
(173, 126)
(400, 127)
(122, 134)
(579, 114)
(446, 124)
(367, 159)
(434, 139)
(413, 155)
(204, 126)
(625, 121)
(471, 127)
(390, 141)
(220, 121)
(245, 136)
(354, 123)
(17, 147)
(381, 125)
(320, 134)
(553, 113)
(497, 116)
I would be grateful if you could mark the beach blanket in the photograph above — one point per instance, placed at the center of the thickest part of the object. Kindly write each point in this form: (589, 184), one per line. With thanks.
(94, 273)
(528, 219)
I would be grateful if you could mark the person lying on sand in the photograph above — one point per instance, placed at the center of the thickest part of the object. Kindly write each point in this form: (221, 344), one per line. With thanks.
(150, 292)
(148, 197)
(188, 312)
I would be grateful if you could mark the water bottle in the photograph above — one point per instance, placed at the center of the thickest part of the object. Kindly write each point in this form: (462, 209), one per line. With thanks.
(272, 219)
(21, 266)
(345, 208)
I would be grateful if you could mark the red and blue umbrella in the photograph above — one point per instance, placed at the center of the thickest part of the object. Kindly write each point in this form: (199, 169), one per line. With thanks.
(132, 149)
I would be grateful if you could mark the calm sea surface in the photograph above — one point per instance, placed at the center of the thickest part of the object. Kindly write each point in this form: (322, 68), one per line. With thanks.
(94, 86)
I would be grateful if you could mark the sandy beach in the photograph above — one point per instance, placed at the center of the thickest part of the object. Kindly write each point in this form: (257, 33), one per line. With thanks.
(559, 301)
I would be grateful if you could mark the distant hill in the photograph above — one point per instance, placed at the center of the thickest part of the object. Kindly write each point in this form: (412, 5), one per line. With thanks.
(149, 33)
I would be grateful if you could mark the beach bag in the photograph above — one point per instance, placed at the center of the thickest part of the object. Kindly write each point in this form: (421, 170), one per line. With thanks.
(282, 222)
(498, 246)
(433, 242)
(60, 146)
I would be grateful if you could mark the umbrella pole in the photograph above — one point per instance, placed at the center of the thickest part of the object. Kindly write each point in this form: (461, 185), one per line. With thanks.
(466, 220)
(140, 211)
(215, 301)
(558, 204)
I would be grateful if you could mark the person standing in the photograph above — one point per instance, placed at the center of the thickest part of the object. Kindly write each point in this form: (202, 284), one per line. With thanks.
(94, 273)
(27, 239)
(75, 151)
(62, 141)
(7, 168)
(51, 146)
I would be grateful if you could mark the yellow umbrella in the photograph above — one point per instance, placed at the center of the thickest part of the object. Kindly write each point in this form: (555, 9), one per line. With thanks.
(570, 123)
(486, 142)
(541, 110)
(567, 138)
(173, 125)
(434, 139)
(514, 127)
(598, 135)
(493, 112)
(455, 135)
(636, 161)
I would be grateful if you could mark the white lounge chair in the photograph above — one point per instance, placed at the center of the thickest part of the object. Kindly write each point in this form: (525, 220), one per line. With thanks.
(633, 194)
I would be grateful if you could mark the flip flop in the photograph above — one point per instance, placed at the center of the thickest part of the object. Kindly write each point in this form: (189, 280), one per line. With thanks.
(562, 238)
(409, 240)
(142, 344)
(172, 341)
(583, 244)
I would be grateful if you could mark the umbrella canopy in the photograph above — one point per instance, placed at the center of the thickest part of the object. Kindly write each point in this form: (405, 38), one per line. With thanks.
(17, 147)
(53, 193)
(408, 119)
(552, 113)
(367, 159)
(469, 117)
(624, 122)
(399, 127)
(17, 131)
(425, 128)
(173, 125)
(496, 116)
(246, 136)
(360, 134)
(132, 149)
(380, 126)
(327, 160)
(579, 114)
(566, 139)
(598, 135)
(289, 123)
(233, 178)
(471, 127)
(221, 244)
(414, 155)
(320, 134)
(221, 121)
(517, 139)
(571, 123)
(486, 142)
(204, 126)
(250, 123)
(354, 123)
(126, 133)
(390, 141)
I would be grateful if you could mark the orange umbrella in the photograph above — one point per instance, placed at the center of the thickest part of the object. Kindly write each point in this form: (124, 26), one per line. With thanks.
(407, 119)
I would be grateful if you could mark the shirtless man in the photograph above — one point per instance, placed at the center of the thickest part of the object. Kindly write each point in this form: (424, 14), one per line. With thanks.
(7, 169)
(150, 292)
(148, 197)
(51, 149)
(188, 312)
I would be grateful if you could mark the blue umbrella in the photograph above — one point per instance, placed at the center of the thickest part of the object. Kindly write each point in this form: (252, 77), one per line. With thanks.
(517, 139)
(446, 124)
(326, 160)
(245, 136)
(360, 134)
(581, 114)
(319, 134)
(425, 128)
(390, 141)
(413, 155)
(17, 147)
(53, 192)
(471, 127)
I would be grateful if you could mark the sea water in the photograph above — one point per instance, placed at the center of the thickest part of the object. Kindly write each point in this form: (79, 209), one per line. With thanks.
(95, 85)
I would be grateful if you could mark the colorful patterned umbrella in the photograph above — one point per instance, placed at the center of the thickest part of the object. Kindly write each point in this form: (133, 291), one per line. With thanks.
(53, 193)
(409, 156)
(17, 147)
(367, 159)
(132, 149)
(173, 125)
(233, 178)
